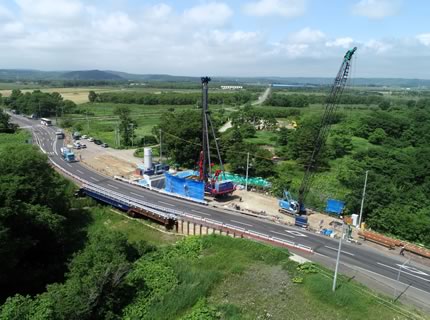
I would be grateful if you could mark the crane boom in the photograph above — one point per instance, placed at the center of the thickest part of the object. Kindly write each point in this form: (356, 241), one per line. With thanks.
(324, 126)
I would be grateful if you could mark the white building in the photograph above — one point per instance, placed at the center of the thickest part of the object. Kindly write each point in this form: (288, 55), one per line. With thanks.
(231, 87)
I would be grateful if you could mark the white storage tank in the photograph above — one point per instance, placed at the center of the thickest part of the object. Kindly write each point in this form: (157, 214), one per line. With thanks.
(147, 158)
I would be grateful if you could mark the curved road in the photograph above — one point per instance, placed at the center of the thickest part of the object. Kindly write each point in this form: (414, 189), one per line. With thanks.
(364, 258)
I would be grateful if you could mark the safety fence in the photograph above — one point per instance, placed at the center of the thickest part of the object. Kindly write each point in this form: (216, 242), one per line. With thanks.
(229, 229)
(177, 214)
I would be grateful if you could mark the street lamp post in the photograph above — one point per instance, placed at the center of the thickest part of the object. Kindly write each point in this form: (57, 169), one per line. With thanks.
(398, 277)
(337, 259)
(362, 199)
(247, 168)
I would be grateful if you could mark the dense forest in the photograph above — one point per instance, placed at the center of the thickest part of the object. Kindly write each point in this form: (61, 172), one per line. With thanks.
(390, 139)
(172, 98)
(300, 100)
(38, 103)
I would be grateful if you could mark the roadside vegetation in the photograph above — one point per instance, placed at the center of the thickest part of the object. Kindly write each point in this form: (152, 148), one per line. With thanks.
(70, 258)
(384, 132)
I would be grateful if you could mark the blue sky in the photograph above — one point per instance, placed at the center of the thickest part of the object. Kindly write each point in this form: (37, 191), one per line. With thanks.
(218, 38)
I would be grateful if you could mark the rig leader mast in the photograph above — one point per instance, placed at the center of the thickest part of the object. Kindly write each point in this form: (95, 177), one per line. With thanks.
(214, 184)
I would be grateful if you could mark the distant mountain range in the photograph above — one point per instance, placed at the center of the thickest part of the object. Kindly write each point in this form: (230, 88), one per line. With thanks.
(107, 75)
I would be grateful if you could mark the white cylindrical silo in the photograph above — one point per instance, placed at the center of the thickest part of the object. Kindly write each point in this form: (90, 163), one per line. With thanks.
(147, 158)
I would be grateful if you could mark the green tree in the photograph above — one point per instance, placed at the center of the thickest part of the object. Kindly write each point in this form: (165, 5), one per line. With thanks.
(283, 136)
(385, 105)
(34, 207)
(127, 126)
(340, 145)
(378, 136)
(92, 96)
(302, 143)
(5, 125)
(181, 136)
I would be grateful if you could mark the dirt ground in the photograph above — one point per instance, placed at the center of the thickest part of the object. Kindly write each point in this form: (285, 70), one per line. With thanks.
(77, 95)
(266, 205)
(106, 160)
(123, 163)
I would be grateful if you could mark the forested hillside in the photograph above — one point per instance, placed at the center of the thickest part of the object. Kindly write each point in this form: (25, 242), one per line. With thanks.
(389, 136)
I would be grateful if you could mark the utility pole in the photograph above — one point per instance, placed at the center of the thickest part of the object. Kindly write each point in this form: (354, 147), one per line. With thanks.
(88, 122)
(398, 278)
(132, 134)
(337, 259)
(161, 150)
(362, 199)
(117, 139)
(247, 167)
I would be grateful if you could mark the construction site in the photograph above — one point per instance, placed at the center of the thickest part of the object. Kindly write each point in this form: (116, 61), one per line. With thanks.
(242, 194)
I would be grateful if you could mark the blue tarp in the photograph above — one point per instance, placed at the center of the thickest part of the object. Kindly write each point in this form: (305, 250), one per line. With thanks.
(334, 206)
(184, 187)
(187, 173)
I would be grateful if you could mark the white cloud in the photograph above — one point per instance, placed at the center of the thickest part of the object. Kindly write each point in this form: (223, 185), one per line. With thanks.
(51, 12)
(377, 9)
(195, 41)
(345, 43)
(213, 14)
(5, 14)
(284, 8)
(307, 35)
(159, 11)
(377, 47)
(117, 24)
(424, 38)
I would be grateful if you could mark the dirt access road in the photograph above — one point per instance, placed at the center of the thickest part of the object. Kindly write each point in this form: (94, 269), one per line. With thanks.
(263, 97)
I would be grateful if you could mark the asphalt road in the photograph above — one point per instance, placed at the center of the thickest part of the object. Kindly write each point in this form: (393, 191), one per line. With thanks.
(366, 258)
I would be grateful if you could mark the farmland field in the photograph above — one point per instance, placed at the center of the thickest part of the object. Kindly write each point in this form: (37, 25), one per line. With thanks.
(101, 121)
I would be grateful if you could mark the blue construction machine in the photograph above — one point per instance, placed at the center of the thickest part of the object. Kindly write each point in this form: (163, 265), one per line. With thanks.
(296, 207)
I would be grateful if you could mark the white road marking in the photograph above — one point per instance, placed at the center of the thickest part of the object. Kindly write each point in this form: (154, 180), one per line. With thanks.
(80, 171)
(282, 234)
(94, 179)
(397, 269)
(296, 233)
(245, 224)
(139, 195)
(199, 212)
(345, 252)
(69, 165)
(413, 270)
(169, 204)
(112, 186)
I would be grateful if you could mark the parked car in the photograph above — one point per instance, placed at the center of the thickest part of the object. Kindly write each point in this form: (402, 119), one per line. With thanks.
(76, 135)
(83, 145)
(105, 145)
(76, 145)
(91, 139)
(84, 136)
(98, 142)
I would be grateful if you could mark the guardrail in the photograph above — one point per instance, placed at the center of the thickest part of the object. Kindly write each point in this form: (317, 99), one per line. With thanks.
(160, 190)
(247, 233)
(174, 214)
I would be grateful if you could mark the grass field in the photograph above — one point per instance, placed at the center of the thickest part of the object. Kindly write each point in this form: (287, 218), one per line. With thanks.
(136, 230)
(216, 277)
(101, 122)
(263, 137)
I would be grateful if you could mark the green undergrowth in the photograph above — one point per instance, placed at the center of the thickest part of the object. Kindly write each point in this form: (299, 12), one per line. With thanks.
(19, 137)
(136, 230)
(217, 277)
